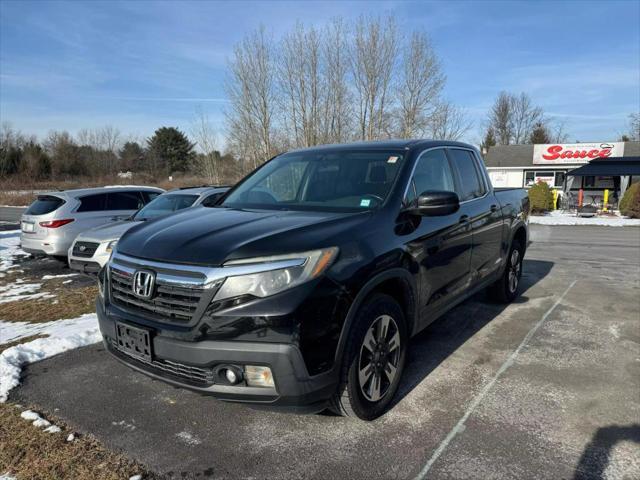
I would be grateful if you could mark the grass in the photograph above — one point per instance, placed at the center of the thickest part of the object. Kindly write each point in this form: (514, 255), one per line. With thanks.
(27, 452)
(68, 303)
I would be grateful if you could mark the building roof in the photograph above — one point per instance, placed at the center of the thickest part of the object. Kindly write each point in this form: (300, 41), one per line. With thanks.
(522, 155)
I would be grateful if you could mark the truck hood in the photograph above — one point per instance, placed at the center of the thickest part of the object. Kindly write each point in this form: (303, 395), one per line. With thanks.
(108, 232)
(211, 236)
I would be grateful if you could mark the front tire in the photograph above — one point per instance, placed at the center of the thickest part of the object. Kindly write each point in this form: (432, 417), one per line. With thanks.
(374, 360)
(505, 289)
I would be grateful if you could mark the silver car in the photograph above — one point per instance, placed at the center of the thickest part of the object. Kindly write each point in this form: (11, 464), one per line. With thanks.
(91, 249)
(54, 220)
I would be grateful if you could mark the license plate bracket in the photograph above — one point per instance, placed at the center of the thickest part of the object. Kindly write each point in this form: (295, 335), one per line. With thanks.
(134, 341)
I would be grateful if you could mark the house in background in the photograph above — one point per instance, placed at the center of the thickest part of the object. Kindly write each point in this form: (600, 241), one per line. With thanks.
(524, 165)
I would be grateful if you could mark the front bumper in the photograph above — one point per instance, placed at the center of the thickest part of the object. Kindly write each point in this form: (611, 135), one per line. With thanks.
(91, 264)
(294, 389)
(84, 265)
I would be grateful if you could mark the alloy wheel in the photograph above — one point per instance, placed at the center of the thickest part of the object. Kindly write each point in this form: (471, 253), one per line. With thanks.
(514, 270)
(379, 357)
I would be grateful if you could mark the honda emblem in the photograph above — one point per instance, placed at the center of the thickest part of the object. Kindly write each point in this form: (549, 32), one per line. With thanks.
(143, 283)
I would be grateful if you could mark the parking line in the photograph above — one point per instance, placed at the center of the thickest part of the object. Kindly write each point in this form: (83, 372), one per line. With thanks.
(476, 401)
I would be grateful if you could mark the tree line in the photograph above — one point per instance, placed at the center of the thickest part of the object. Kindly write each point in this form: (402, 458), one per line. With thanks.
(103, 152)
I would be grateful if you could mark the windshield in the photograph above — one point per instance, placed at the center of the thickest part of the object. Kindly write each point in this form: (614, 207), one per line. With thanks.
(165, 204)
(337, 181)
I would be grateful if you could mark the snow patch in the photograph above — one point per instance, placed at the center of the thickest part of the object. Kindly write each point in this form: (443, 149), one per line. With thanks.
(188, 438)
(134, 477)
(22, 291)
(9, 250)
(562, 218)
(41, 423)
(71, 437)
(53, 429)
(29, 415)
(63, 335)
(51, 277)
(6, 476)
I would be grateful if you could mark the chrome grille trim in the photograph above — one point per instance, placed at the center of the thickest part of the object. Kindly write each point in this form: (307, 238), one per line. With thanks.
(197, 275)
(182, 292)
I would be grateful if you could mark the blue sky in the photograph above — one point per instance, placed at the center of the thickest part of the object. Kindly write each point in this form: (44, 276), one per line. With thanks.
(139, 65)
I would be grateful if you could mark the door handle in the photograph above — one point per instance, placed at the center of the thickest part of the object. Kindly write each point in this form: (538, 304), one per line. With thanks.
(464, 219)
(494, 208)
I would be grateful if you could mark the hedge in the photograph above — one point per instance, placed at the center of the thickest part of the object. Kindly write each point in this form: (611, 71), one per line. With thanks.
(630, 203)
(540, 198)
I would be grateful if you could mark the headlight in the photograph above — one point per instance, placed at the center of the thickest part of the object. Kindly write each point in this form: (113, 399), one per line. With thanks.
(111, 245)
(272, 276)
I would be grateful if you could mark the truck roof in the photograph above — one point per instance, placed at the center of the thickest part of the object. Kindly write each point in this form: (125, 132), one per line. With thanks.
(386, 145)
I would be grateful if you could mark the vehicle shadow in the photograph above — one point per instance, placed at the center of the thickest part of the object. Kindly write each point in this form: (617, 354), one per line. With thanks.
(434, 344)
(595, 457)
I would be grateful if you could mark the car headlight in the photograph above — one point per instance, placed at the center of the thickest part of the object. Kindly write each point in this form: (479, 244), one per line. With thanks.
(111, 245)
(270, 275)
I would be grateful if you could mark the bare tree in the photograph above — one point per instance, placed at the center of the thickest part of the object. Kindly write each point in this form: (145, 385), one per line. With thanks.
(373, 60)
(500, 118)
(513, 118)
(524, 116)
(337, 109)
(301, 84)
(634, 127)
(251, 91)
(420, 87)
(448, 122)
(207, 163)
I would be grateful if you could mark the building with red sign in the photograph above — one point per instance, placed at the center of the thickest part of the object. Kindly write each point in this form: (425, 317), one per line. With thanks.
(524, 165)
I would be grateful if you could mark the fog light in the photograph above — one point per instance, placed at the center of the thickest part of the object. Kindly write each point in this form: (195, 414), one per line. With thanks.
(258, 376)
(231, 376)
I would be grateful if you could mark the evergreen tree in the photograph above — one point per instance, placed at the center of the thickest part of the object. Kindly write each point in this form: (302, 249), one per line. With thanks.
(540, 134)
(489, 140)
(169, 150)
(132, 157)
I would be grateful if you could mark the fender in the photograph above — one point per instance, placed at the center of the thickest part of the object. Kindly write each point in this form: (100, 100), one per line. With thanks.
(372, 283)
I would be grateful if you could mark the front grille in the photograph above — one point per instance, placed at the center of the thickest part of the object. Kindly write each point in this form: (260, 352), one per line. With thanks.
(194, 375)
(85, 249)
(174, 303)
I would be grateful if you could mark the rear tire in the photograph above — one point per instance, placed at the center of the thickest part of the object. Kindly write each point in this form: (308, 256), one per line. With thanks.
(505, 289)
(373, 361)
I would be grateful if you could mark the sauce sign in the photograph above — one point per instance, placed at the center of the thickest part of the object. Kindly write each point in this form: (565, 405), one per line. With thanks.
(555, 153)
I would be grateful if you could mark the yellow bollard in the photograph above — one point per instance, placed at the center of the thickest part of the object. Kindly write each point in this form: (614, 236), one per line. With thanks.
(605, 200)
(555, 199)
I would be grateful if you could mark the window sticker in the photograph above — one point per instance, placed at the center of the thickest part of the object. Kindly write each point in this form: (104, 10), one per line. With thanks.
(365, 202)
(392, 159)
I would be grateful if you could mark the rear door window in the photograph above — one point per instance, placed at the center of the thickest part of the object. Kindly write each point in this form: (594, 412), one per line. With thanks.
(93, 203)
(45, 204)
(124, 201)
(471, 185)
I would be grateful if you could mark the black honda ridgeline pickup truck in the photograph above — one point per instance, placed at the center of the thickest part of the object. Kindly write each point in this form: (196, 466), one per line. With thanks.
(301, 288)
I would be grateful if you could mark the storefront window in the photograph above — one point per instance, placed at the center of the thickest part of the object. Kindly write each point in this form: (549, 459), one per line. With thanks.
(529, 178)
(560, 176)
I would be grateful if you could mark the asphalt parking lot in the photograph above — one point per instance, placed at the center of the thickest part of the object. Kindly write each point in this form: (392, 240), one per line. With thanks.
(548, 387)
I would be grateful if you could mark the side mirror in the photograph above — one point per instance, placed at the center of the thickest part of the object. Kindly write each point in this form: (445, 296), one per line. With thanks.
(433, 203)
